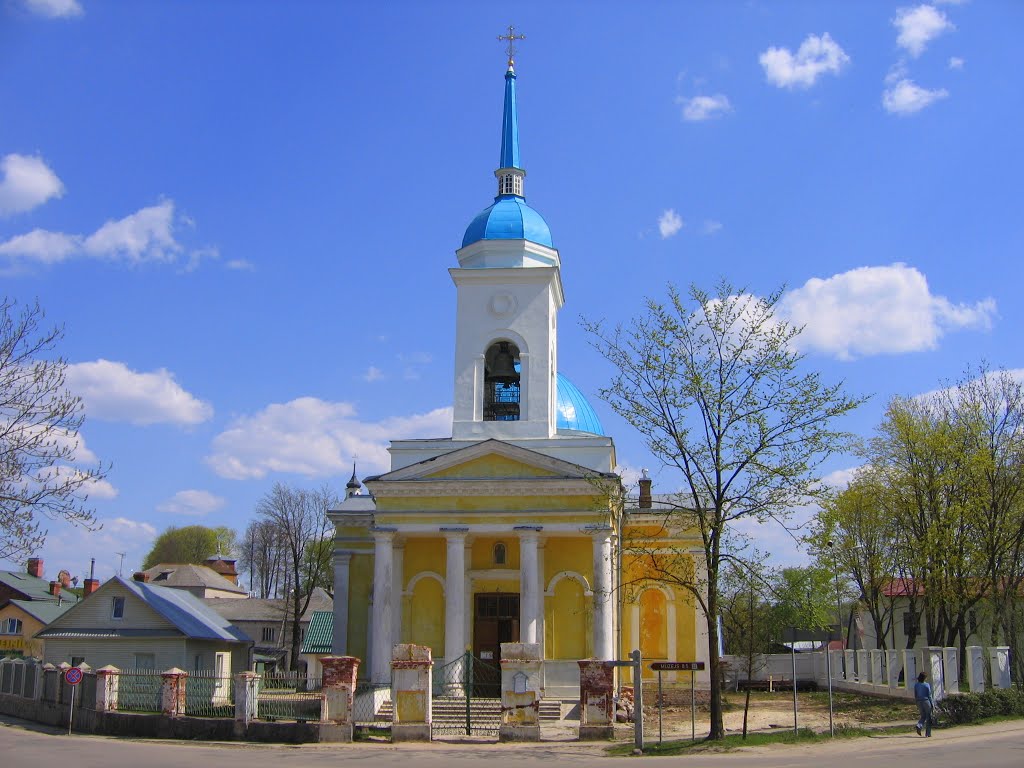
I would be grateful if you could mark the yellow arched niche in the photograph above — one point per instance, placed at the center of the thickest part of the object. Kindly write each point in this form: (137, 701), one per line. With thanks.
(425, 625)
(567, 621)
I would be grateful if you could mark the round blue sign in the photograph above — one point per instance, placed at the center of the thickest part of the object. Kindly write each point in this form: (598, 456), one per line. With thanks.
(73, 676)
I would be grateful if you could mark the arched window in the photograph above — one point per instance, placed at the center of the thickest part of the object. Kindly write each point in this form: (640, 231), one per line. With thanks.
(499, 553)
(501, 382)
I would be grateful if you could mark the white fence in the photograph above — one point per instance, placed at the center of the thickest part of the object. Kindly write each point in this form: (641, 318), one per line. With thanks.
(888, 673)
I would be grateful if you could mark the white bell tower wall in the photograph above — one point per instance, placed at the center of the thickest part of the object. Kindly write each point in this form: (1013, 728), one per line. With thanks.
(517, 304)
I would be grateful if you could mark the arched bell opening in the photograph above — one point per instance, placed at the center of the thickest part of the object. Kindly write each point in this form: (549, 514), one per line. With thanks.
(502, 382)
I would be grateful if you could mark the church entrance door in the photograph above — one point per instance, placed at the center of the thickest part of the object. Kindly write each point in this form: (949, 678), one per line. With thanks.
(495, 621)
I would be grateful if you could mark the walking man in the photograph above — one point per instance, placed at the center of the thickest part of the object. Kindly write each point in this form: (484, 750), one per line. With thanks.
(925, 704)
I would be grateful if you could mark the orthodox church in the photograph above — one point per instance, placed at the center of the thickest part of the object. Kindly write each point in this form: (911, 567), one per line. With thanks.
(510, 530)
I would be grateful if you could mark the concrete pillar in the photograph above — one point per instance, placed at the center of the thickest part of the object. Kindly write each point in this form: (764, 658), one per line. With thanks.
(455, 593)
(999, 658)
(339, 638)
(975, 668)
(597, 702)
(383, 605)
(951, 669)
(893, 667)
(339, 687)
(604, 647)
(540, 599)
(529, 589)
(411, 693)
(933, 657)
(522, 688)
(836, 660)
(876, 668)
(107, 687)
(910, 667)
(851, 664)
(172, 692)
(247, 693)
(863, 667)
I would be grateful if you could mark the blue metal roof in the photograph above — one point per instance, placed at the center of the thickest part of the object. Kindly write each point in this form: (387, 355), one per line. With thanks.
(510, 125)
(509, 218)
(574, 411)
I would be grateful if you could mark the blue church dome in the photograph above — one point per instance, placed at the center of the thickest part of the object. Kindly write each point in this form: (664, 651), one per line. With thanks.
(510, 218)
(574, 411)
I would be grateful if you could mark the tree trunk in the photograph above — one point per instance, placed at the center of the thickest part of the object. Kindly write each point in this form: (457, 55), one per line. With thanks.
(717, 728)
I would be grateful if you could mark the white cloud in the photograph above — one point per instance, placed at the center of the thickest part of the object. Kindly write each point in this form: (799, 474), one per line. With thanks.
(877, 310)
(240, 264)
(919, 26)
(313, 437)
(701, 108)
(95, 489)
(905, 97)
(839, 479)
(40, 245)
(71, 547)
(373, 373)
(955, 62)
(55, 9)
(113, 392)
(816, 56)
(148, 235)
(669, 223)
(25, 183)
(192, 502)
(711, 227)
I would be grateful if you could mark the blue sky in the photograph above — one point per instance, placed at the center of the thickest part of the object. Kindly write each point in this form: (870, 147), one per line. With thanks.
(244, 213)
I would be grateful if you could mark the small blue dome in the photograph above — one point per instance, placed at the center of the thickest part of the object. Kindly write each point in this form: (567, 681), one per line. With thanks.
(574, 412)
(510, 218)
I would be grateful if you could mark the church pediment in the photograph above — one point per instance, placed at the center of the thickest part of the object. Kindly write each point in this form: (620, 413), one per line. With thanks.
(490, 460)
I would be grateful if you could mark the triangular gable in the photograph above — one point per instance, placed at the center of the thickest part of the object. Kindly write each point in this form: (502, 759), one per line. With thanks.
(94, 612)
(490, 459)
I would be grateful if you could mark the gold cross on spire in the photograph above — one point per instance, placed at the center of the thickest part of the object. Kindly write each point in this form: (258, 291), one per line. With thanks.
(511, 37)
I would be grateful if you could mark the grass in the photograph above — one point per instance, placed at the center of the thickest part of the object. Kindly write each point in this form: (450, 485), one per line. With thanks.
(759, 739)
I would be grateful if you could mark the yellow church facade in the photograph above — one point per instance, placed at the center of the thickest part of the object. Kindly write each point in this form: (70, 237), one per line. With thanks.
(512, 529)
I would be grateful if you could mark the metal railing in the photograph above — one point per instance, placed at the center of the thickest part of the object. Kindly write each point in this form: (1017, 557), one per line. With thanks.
(207, 695)
(289, 696)
(138, 690)
(371, 706)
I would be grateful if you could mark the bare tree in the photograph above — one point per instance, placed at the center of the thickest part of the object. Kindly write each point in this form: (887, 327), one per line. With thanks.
(717, 391)
(299, 518)
(39, 425)
(262, 557)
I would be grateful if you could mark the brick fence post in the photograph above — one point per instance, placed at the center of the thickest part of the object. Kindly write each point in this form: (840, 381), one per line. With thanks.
(172, 692)
(107, 687)
(522, 687)
(411, 692)
(247, 692)
(597, 711)
(339, 687)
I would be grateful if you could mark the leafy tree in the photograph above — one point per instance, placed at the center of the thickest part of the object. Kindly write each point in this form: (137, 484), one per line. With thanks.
(39, 425)
(717, 391)
(299, 519)
(190, 544)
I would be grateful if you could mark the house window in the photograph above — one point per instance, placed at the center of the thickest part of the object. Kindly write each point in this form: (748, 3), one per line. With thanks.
(10, 627)
(911, 623)
(145, 661)
(269, 634)
(76, 660)
(499, 553)
(117, 608)
(198, 662)
(222, 669)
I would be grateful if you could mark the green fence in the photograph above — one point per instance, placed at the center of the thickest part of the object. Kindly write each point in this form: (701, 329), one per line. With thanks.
(288, 696)
(138, 690)
(207, 695)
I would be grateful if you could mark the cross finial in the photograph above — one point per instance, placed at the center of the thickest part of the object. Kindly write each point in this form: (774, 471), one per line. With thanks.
(511, 37)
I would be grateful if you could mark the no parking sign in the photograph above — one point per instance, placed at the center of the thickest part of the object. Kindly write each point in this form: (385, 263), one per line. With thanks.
(73, 675)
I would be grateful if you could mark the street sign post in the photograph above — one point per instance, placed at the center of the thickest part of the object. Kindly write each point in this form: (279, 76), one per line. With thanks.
(679, 666)
(72, 676)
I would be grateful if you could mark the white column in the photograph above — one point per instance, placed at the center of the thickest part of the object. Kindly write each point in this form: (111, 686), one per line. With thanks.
(383, 605)
(339, 638)
(975, 668)
(454, 593)
(999, 658)
(529, 597)
(541, 607)
(603, 629)
(398, 587)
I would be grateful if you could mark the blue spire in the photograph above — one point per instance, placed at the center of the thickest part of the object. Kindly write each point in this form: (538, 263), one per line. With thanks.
(510, 124)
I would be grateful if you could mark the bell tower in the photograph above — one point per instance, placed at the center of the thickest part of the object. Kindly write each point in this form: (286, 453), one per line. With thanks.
(509, 293)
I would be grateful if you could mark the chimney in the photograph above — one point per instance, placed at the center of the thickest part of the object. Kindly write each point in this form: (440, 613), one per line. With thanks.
(141, 576)
(55, 588)
(645, 491)
(35, 567)
(89, 586)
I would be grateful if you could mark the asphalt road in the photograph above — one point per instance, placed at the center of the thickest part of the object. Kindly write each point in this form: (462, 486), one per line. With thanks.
(24, 745)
